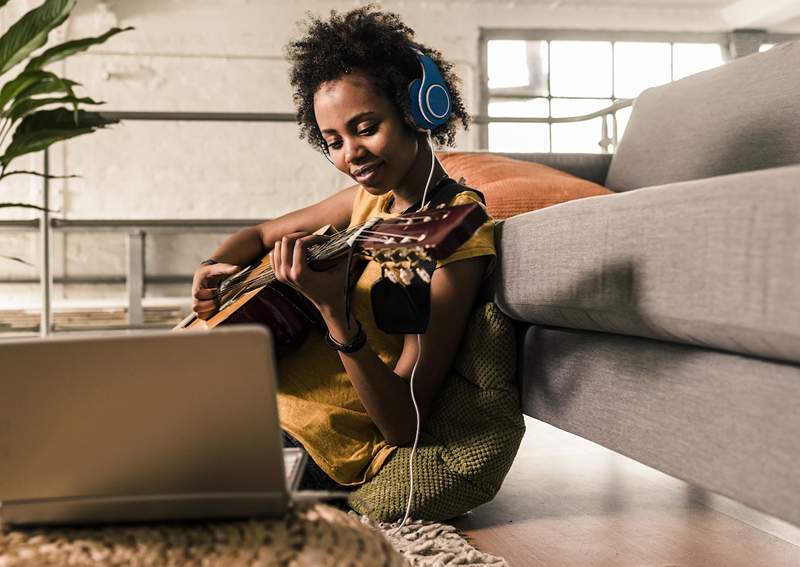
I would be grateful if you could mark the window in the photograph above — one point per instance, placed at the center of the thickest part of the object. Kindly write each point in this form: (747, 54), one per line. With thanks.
(545, 74)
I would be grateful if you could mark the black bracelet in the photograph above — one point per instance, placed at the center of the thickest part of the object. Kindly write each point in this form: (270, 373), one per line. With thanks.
(209, 262)
(357, 343)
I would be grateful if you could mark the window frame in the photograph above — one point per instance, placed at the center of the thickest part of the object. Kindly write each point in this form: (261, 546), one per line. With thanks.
(612, 36)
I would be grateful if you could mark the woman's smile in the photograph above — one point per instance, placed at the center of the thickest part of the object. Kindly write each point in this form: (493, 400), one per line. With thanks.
(367, 174)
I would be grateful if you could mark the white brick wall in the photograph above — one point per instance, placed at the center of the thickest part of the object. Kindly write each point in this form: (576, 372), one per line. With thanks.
(227, 55)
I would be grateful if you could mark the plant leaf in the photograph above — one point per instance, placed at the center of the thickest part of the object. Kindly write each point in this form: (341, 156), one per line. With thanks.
(47, 86)
(22, 206)
(45, 175)
(32, 83)
(24, 80)
(22, 108)
(68, 48)
(39, 130)
(31, 31)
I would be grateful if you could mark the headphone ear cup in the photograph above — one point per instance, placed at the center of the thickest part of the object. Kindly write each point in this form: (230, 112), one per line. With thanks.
(432, 98)
(416, 113)
(437, 101)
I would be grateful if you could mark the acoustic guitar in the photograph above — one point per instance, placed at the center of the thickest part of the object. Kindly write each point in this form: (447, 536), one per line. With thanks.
(403, 245)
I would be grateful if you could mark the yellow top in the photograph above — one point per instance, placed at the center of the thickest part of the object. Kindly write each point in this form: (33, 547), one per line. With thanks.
(317, 403)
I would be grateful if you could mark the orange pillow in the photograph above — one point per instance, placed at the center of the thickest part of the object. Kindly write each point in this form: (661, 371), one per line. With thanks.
(514, 186)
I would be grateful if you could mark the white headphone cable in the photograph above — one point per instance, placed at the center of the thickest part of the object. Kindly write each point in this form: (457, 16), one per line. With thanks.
(414, 370)
(430, 173)
(416, 438)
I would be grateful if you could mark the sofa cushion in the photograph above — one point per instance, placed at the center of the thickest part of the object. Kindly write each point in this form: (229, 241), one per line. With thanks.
(712, 262)
(513, 186)
(738, 117)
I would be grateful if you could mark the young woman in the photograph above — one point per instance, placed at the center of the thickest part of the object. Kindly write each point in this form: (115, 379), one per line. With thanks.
(350, 410)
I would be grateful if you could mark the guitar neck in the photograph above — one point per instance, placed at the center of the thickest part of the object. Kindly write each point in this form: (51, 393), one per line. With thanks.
(318, 256)
(433, 234)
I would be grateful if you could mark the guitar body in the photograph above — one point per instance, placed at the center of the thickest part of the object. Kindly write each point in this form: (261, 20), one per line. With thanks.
(288, 313)
(402, 245)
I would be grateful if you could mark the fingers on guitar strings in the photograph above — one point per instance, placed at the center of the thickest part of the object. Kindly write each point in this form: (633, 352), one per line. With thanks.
(205, 293)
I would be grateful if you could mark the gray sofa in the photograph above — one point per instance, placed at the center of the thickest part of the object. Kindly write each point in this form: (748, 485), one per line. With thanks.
(663, 321)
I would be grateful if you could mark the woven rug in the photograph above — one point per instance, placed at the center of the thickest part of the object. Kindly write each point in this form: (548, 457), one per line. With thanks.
(315, 535)
(429, 544)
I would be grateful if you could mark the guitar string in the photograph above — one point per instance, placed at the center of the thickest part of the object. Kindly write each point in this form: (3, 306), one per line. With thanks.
(325, 250)
(322, 251)
(236, 291)
(268, 276)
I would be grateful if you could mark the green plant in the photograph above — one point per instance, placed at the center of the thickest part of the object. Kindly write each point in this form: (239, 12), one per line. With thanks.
(37, 107)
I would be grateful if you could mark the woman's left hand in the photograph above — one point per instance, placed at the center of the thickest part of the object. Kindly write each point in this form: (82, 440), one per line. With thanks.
(323, 288)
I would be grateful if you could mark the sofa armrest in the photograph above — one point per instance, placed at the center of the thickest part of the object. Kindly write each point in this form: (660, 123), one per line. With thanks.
(710, 262)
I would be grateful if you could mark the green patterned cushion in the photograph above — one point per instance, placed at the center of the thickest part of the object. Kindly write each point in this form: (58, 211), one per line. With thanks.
(470, 439)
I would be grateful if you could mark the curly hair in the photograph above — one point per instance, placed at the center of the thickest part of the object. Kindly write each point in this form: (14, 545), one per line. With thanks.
(376, 43)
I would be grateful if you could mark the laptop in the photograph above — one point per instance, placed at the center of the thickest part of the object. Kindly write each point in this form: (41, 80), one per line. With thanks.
(144, 426)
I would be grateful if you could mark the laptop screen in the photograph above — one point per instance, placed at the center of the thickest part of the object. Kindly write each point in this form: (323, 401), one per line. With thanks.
(142, 415)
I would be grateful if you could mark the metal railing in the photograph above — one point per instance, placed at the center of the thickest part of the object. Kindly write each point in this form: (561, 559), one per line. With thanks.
(606, 139)
(137, 230)
(135, 278)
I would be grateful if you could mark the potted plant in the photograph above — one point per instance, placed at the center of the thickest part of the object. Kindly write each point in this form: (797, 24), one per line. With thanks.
(37, 107)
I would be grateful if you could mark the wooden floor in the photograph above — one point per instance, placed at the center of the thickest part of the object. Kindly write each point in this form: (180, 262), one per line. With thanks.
(569, 502)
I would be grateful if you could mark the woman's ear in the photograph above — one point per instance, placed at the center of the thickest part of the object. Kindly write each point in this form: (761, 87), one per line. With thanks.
(418, 139)
(408, 120)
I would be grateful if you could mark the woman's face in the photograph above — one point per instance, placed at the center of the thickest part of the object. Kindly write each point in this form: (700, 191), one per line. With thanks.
(365, 133)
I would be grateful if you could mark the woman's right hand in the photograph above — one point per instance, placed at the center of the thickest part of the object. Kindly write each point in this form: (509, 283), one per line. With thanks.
(204, 287)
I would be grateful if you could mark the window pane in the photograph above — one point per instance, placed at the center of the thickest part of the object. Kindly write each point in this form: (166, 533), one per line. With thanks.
(638, 66)
(537, 108)
(765, 47)
(578, 136)
(566, 107)
(519, 137)
(580, 68)
(518, 64)
(508, 65)
(508, 137)
(691, 58)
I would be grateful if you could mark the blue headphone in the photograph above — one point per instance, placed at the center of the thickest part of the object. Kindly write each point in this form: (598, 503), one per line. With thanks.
(429, 98)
